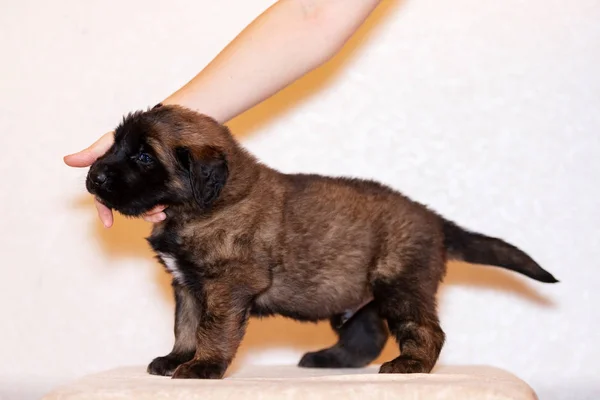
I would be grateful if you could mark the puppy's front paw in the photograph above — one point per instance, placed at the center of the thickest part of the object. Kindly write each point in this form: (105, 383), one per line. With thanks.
(197, 369)
(404, 365)
(164, 366)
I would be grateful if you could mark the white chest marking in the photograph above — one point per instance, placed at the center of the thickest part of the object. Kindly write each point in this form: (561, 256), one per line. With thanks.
(171, 264)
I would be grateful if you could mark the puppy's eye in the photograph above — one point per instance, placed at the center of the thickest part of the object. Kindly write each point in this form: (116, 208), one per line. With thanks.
(144, 158)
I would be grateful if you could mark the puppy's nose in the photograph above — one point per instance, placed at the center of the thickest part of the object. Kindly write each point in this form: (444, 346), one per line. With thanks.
(99, 178)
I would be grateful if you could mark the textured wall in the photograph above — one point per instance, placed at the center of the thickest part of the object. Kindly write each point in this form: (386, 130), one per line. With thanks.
(487, 111)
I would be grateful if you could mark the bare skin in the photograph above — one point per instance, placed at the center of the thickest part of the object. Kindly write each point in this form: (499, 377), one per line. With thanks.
(284, 43)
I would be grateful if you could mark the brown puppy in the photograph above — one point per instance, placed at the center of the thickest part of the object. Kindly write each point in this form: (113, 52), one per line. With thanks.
(242, 239)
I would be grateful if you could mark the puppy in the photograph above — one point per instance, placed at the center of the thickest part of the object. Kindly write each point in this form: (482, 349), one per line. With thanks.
(242, 239)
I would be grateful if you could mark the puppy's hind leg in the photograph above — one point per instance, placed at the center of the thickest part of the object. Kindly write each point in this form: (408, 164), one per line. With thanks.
(408, 303)
(186, 324)
(361, 340)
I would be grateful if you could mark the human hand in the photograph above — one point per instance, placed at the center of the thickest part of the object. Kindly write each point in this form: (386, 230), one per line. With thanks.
(86, 157)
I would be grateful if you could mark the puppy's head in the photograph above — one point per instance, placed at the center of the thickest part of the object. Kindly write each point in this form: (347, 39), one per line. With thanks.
(167, 155)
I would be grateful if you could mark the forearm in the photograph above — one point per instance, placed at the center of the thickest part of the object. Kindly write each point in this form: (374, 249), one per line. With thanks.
(288, 40)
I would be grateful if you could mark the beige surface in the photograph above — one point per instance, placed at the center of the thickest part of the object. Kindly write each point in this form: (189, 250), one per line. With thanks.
(290, 382)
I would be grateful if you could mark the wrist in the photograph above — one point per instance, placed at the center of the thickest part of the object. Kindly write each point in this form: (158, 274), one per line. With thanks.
(174, 100)
(193, 99)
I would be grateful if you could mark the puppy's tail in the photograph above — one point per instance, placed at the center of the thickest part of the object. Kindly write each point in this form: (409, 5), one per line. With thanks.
(476, 248)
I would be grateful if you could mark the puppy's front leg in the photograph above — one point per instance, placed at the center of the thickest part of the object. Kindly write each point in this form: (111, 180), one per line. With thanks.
(221, 327)
(186, 326)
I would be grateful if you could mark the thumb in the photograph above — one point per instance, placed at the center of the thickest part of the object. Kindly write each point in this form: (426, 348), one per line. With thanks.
(86, 157)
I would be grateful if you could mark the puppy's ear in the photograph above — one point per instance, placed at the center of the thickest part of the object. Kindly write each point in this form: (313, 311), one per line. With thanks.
(207, 171)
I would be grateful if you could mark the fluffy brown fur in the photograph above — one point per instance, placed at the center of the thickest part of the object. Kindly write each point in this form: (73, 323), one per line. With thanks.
(243, 239)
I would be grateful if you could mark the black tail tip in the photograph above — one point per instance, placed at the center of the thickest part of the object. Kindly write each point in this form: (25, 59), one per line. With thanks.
(545, 277)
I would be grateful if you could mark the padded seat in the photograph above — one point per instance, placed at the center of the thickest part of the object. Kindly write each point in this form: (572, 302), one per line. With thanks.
(291, 382)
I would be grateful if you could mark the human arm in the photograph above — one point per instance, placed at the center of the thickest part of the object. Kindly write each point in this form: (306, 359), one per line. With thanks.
(288, 40)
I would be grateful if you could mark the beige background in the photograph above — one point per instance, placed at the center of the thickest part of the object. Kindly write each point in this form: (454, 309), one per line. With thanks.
(487, 111)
